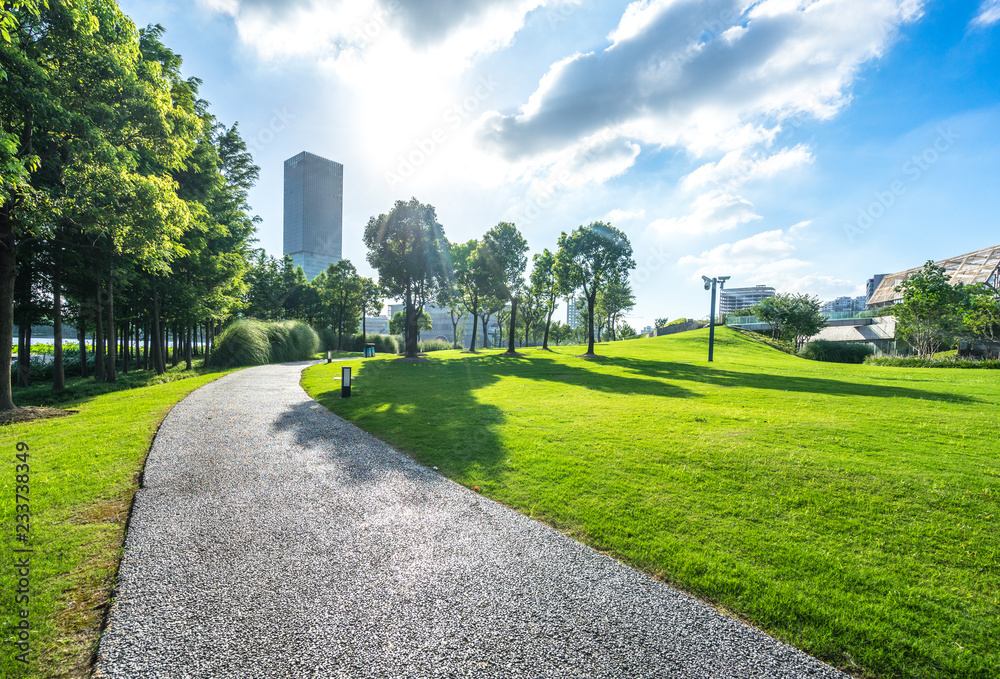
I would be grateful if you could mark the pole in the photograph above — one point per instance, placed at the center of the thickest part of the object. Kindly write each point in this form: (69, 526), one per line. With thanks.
(711, 325)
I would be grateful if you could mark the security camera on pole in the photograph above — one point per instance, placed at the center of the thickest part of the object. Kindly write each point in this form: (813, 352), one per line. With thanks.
(710, 284)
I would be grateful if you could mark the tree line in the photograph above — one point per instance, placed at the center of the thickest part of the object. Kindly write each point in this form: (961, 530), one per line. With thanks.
(123, 200)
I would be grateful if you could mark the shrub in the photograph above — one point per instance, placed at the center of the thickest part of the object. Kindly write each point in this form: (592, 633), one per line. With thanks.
(243, 342)
(434, 345)
(915, 362)
(836, 352)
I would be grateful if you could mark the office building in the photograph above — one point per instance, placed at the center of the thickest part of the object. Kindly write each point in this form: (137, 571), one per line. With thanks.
(735, 299)
(573, 319)
(314, 212)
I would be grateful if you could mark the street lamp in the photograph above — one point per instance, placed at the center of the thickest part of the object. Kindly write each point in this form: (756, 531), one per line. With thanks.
(710, 284)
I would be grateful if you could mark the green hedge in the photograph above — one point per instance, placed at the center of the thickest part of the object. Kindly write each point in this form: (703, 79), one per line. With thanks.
(914, 362)
(836, 352)
(434, 345)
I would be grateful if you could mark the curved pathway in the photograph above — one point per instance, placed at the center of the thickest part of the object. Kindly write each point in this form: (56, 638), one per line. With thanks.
(271, 538)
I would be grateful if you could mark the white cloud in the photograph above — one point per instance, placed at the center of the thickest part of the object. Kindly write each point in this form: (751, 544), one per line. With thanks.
(739, 167)
(989, 14)
(704, 75)
(617, 216)
(712, 212)
(768, 258)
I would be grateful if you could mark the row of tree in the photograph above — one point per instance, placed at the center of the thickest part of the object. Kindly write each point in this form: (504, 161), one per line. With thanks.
(123, 200)
(488, 277)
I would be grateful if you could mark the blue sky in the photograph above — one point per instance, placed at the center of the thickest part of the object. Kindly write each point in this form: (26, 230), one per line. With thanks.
(804, 144)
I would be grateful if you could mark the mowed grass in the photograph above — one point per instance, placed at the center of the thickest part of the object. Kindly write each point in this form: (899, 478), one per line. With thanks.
(851, 511)
(84, 470)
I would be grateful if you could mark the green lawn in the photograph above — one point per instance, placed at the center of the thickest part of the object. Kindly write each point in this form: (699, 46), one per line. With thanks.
(84, 470)
(851, 511)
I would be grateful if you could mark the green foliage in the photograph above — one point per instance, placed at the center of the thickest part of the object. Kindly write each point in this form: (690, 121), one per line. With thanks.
(836, 352)
(661, 322)
(291, 341)
(434, 345)
(676, 321)
(384, 344)
(930, 314)
(589, 258)
(398, 322)
(981, 313)
(917, 362)
(792, 317)
(409, 250)
(244, 342)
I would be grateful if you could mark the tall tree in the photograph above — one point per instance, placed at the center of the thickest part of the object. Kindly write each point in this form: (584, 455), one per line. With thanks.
(546, 286)
(370, 300)
(930, 314)
(408, 248)
(504, 257)
(589, 258)
(342, 298)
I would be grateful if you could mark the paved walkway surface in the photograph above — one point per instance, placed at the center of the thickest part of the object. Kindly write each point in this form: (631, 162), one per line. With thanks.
(271, 538)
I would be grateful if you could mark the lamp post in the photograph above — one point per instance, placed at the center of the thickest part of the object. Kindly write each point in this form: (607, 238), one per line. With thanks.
(710, 284)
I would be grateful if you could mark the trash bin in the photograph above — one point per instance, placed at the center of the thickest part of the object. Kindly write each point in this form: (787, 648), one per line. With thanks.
(369, 351)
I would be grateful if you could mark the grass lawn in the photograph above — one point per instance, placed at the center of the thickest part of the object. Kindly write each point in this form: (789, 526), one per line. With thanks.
(849, 510)
(83, 470)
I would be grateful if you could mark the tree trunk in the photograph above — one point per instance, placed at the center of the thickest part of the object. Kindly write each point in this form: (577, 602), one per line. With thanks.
(208, 345)
(548, 324)
(99, 346)
(81, 335)
(156, 341)
(187, 349)
(8, 272)
(513, 327)
(112, 339)
(58, 373)
(126, 345)
(410, 338)
(475, 325)
(590, 322)
(486, 340)
(364, 335)
(23, 355)
(145, 344)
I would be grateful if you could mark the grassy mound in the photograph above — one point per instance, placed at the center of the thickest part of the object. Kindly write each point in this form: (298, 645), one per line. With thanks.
(848, 510)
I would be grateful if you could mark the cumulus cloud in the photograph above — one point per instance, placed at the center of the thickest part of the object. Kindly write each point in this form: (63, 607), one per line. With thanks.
(767, 258)
(712, 212)
(989, 14)
(331, 30)
(705, 75)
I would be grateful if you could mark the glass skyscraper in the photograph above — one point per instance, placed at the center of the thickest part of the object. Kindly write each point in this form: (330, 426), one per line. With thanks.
(314, 212)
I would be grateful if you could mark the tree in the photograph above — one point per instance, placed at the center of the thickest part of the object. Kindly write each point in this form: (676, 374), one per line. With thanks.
(397, 324)
(627, 331)
(469, 278)
(661, 322)
(588, 259)
(341, 297)
(504, 257)
(409, 250)
(981, 315)
(531, 308)
(794, 317)
(371, 299)
(450, 295)
(613, 300)
(930, 314)
(546, 286)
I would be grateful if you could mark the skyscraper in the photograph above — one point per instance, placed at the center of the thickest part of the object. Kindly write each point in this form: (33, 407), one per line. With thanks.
(314, 212)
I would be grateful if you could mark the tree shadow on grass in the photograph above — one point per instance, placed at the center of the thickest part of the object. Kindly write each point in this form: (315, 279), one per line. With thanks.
(722, 377)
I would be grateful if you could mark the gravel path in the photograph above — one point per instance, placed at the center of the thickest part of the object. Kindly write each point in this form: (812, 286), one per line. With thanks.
(271, 538)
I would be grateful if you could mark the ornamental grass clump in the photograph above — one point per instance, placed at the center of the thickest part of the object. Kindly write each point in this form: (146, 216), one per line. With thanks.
(244, 342)
(291, 341)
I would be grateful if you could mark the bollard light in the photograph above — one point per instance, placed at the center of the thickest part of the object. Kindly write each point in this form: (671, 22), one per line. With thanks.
(329, 355)
(345, 382)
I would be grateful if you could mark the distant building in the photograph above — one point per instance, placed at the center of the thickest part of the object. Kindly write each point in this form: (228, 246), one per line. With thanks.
(314, 212)
(845, 305)
(872, 285)
(981, 266)
(441, 326)
(572, 313)
(734, 299)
